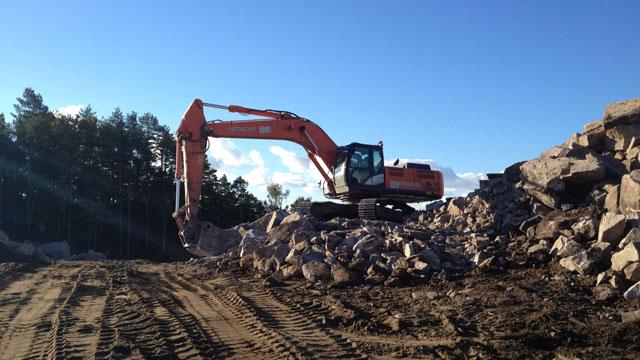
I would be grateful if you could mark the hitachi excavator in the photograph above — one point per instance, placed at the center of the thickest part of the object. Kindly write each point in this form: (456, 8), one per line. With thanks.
(355, 174)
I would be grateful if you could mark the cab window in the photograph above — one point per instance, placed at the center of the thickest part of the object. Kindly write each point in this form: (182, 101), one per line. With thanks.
(360, 165)
(377, 161)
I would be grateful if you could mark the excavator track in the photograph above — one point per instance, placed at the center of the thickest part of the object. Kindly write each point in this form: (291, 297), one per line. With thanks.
(326, 210)
(367, 209)
(383, 209)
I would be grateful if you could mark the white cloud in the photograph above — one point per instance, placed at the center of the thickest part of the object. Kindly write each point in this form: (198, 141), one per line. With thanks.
(288, 179)
(312, 188)
(228, 159)
(256, 176)
(69, 110)
(293, 162)
(225, 153)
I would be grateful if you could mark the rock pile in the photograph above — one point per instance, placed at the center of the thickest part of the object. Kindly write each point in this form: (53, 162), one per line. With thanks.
(577, 203)
(44, 253)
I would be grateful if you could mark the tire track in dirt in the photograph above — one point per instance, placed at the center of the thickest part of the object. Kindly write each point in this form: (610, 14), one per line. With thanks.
(236, 342)
(11, 272)
(27, 331)
(128, 325)
(16, 295)
(183, 334)
(73, 329)
(288, 332)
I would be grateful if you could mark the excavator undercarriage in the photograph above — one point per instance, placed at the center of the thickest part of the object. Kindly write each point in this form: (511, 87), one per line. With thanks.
(370, 209)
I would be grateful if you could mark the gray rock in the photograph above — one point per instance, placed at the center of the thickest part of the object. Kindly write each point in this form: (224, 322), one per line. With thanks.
(624, 257)
(400, 266)
(611, 201)
(617, 281)
(560, 242)
(548, 200)
(630, 316)
(632, 272)
(620, 137)
(291, 218)
(630, 192)
(581, 263)
(290, 271)
(603, 277)
(430, 257)
(420, 295)
(311, 256)
(632, 237)
(330, 240)
(586, 228)
(294, 257)
(604, 293)
(342, 276)
(421, 266)
(316, 271)
(251, 240)
(622, 112)
(633, 293)
(368, 243)
(611, 228)
(456, 206)
(280, 253)
(90, 255)
(266, 222)
(536, 249)
(555, 173)
(56, 250)
(569, 249)
(408, 249)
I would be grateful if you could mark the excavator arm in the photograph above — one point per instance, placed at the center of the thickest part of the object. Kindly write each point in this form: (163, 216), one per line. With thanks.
(191, 144)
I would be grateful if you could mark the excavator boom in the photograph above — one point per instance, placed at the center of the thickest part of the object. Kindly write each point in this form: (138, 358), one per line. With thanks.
(194, 131)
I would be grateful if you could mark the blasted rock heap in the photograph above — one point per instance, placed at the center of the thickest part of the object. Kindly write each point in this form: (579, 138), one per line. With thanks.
(576, 204)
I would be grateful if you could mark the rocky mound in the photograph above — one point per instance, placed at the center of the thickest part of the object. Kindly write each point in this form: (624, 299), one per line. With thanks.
(577, 204)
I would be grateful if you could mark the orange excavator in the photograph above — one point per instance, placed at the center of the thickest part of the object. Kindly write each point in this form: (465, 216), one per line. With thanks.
(354, 174)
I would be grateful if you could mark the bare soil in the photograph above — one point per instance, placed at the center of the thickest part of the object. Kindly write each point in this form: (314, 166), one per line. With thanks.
(139, 309)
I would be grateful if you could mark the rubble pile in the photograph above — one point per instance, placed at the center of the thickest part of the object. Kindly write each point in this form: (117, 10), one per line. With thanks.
(576, 204)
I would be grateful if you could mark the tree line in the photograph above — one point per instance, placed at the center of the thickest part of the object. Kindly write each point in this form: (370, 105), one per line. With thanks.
(102, 183)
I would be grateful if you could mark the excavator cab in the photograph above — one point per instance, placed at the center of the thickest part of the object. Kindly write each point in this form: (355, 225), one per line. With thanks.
(359, 169)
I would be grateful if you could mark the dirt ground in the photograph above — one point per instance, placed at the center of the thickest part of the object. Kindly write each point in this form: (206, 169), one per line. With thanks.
(138, 309)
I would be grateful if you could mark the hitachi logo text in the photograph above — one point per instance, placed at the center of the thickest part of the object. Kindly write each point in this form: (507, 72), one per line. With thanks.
(242, 129)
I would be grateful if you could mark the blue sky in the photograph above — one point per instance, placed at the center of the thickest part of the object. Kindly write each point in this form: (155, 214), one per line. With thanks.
(474, 86)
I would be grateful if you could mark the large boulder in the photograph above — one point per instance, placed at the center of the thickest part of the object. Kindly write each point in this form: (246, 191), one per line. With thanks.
(611, 228)
(626, 256)
(557, 174)
(630, 192)
(582, 263)
(622, 112)
(587, 229)
(456, 206)
(611, 200)
(251, 240)
(619, 138)
(56, 250)
(342, 276)
(316, 271)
